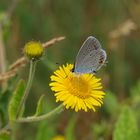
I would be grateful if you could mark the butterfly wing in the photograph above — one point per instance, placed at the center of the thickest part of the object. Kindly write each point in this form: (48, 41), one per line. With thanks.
(90, 57)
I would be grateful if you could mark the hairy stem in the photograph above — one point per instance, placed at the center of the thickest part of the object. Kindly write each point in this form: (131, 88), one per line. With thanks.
(41, 117)
(28, 86)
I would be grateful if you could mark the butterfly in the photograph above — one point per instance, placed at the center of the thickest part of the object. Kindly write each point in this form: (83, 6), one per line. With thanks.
(90, 58)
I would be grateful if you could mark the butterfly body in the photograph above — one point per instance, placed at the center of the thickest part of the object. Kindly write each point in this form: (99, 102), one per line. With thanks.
(90, 58)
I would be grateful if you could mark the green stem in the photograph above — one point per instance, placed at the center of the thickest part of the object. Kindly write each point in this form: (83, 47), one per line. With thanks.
(28, 86)
(42, 117)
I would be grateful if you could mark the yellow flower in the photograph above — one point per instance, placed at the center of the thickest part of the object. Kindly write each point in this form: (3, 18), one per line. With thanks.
(59, 137)
(77, 91)
(33, 50)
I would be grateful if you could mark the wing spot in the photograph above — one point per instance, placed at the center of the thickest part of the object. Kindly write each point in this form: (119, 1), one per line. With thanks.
(95, 46)
(101, 60)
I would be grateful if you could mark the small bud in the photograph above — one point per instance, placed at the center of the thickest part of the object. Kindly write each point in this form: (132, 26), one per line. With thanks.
(33, 50)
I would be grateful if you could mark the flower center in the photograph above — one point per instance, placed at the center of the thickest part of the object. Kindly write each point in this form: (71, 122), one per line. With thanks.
(78, 86)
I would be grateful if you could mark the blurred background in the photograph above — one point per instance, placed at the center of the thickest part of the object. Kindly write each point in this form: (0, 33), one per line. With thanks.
(116, 24)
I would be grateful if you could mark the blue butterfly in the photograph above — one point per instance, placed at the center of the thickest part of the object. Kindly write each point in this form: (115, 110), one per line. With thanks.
(90, 58)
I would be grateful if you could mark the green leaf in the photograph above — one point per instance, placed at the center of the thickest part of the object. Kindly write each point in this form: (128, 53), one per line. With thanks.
(15, 100)
(126, 126)
(22, 111)
(39, 106)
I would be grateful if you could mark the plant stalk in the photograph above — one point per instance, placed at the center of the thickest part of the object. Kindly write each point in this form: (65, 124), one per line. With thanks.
(41, 117)
(28, 86)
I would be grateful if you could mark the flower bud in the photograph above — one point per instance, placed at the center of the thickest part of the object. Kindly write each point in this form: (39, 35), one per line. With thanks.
(33, 50)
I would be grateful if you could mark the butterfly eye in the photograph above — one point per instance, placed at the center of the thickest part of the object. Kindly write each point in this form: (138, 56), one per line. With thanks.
(94, 71)
(72, 70)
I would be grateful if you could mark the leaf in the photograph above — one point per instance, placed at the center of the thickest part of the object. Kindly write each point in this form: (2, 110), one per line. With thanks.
(126, 126)
(15, 100)
(39, 106)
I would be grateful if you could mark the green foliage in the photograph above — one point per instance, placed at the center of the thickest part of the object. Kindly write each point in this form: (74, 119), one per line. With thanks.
(4, 20)
(5, 135)
(39, 107)
(44, 19)
(4, 100)
(110, 103)
(70, 130)
(126, 126)
(135, 91)
(15, 100)
(135, 96)
(46, 129)
(135, 99)
(99, 129)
